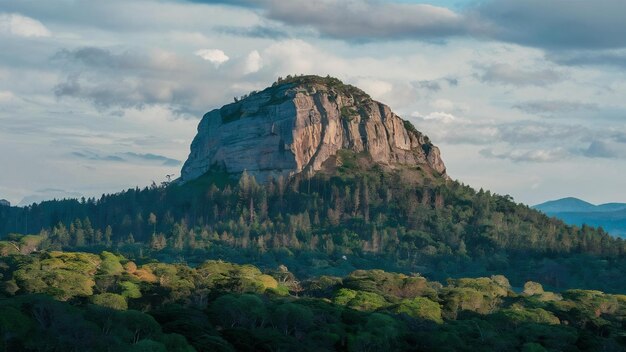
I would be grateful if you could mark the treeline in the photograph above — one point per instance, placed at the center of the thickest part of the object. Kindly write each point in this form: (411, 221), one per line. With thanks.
(399, 220)
(63, 301)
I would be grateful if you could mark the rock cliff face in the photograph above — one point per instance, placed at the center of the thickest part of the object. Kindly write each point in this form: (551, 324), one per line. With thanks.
(298, 126)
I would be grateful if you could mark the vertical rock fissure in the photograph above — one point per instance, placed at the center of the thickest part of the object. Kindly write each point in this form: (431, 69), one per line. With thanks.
(309, 169)
(381, 110)
(364, 136)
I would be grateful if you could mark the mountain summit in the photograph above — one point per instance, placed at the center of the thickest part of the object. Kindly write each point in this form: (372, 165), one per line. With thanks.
(299, 125)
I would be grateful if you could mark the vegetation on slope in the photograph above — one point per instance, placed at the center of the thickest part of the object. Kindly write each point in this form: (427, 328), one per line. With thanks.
(355, 217)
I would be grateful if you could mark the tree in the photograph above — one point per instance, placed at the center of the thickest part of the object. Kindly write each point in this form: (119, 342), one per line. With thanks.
(292, 319)
(152, 220)
(108, 234)
(110, 300)
(110, 264)
(158, 242)
(140, 325)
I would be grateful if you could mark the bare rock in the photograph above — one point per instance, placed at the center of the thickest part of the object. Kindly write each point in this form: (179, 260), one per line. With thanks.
(295, 126)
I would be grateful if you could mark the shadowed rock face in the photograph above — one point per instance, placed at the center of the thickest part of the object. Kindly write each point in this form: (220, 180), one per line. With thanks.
(296, 126)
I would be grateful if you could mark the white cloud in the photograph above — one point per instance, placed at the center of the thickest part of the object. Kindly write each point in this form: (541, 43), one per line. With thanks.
(292, 56)
(214, 56)
(442, 104)
(439, 116)
(504, 73)
(548, 107)
(449, 105)
(6, 96)
(605, 149)
(536, 156)
(253, 62)
(375, 87)
(22, 26)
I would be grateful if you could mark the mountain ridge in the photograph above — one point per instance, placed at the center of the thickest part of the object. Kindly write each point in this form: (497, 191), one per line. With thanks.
(610, 216)
(572, 204)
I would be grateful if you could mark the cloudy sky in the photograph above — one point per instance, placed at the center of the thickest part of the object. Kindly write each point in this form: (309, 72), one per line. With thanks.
(526, 97)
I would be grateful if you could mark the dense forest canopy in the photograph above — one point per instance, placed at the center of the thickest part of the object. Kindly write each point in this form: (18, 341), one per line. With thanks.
(72, 301)
(359, 216)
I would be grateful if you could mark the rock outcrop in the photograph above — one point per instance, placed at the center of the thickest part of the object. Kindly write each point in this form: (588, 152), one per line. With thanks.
(298, 125)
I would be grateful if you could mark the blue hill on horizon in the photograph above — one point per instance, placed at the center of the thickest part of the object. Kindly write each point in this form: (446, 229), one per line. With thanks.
(610, 216)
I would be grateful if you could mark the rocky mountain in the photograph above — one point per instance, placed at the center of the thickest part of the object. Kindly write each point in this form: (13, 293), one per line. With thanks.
(298, 126)
(4, 203)
(378, 198)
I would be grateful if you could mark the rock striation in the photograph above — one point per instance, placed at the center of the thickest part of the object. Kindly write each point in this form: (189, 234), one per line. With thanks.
(298, 126)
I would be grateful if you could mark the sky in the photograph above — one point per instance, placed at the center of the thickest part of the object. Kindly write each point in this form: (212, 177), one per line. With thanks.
(525, 98)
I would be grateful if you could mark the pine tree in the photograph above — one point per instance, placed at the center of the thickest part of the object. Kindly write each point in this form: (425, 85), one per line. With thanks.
(108, 236)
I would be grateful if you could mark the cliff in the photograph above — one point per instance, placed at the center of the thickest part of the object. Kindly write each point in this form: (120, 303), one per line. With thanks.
(298, 126)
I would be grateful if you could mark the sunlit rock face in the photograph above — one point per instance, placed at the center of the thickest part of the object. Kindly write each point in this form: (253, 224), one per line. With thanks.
(298, 125)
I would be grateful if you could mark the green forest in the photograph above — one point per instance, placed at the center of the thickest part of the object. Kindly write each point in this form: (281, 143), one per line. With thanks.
(357, 259)
(73, 301)
(357, 217)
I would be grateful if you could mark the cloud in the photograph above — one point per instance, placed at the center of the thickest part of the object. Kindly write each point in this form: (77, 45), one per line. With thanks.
(556, 24)
(22, 26)
(536, 132)
(258, 31)
(126, 92)
(619, 137)
(438, 116)
(362, 20)
(7, 96)
(128, 157)
(367, 20)
(101, 58)
(96, 157)
(119, 78)
(214, 56)
(450, 129)
(123, 16)
(432, 86)
(295, 56)
(448, 105)
(550, 107)
(113, 79)
(253, 62)
(374, 87)
(615, 58)
(553, 25)
(511, 75)
(160, 159)
(41, 195)
(534, 156)
(525, 140)
(603, 149)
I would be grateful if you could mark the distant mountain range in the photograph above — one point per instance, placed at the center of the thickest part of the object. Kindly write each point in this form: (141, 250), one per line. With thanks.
(574, 211)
